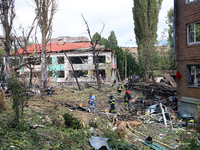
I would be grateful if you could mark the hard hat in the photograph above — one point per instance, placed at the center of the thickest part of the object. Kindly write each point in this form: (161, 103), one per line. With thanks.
(127, 91)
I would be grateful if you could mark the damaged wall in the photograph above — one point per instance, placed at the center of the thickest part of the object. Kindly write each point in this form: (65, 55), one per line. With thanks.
(188, 54)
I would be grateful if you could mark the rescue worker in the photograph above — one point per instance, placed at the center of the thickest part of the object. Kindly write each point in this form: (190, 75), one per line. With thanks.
(119, 88)
(112, 104)
(127, 98)
(91, 102)
(126, 86)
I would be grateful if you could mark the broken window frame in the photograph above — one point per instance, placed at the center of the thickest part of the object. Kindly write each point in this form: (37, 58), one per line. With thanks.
(102, 59)
(193, 75)
(78, 73)
(79, 59)
(60, 60)
(36, 60)
(189, 1)
(50, 73)
(49, 61)
(61, 74)
(193, 37)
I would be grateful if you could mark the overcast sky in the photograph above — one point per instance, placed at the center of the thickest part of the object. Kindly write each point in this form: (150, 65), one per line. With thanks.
(115, 14)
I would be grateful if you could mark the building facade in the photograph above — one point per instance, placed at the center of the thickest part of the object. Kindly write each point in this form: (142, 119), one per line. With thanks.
(187, 46)
(58, 67)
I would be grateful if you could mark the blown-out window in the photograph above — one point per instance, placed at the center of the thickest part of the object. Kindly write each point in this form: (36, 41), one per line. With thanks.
(193, 75)
(79, 60)
(193, 31)
(79, 73)
(189, 1)
(60, 60)
(102, 59)
(61, 74)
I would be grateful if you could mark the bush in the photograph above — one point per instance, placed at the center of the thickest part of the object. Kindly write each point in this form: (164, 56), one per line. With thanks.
(2, 106)
(71, 122)
(19, 96)
(93, 123)
(115, 142)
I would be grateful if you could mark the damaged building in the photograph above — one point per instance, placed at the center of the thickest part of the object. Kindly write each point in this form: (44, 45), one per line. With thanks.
(187, 43)
(58, 67)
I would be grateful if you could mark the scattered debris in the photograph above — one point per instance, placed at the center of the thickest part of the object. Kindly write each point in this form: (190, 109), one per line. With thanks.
(99, 142)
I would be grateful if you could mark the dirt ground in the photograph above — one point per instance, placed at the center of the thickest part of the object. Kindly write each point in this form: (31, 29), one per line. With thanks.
(68, 99)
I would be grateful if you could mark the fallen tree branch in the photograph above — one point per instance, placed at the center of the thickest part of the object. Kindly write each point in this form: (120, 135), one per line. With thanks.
(147, 136)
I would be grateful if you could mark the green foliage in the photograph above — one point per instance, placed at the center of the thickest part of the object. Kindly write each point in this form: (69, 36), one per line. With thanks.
(72, 122)
(20, 96)
(112, 40)
(115, 142)
(145, 15)
(170, 39)
(133, 66)
(93, 123)
(102, 40)
(2, 105)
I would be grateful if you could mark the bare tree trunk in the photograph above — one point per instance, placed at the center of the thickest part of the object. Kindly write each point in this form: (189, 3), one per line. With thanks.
(95, 55)
(7, 16)
(73, 72)
(31, 76)
(96, 66)
(43, 65)
(45, 11)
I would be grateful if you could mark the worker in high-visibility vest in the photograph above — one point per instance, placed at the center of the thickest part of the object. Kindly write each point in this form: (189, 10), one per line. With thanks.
(127, 98)
(126, 86)
(112, 104)
(119, 88)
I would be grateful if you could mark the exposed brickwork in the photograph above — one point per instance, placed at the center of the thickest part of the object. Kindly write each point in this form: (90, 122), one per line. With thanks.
(186, 54)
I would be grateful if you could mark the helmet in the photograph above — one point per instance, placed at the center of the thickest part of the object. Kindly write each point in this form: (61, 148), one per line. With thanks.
(127, 91)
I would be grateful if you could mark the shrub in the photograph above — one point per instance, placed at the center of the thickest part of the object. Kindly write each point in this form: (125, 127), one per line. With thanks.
(71, 122)
(115, 142)
(93, 123)
(2, 106)
(19, 96)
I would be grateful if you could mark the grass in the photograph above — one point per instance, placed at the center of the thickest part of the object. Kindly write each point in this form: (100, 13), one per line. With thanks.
(56, 135)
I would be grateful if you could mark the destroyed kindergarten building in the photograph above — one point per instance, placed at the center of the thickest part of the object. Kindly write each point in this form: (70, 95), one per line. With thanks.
(187, 46)
(58, 67)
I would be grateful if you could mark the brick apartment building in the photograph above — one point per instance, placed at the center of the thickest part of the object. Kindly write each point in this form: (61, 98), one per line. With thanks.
(187, 46)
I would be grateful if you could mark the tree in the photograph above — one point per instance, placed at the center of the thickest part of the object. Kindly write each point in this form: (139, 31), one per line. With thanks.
(45, 10)
(172, 56)
(95, 54)
(112, 43)
(7, 15)
(112, 40)
(102, 40)
(145, 15)
(2, 52)
(23, 43)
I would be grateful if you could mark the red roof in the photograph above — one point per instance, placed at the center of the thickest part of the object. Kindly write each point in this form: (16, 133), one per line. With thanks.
(54, 47)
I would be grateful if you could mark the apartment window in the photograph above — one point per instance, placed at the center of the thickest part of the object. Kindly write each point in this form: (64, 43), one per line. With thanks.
(50, 74)
(193, 33)
(193, 75)
(79, 73)
(33, 60)
(49, 60)
(189, 1)
(61, 74)
(79, 60)
(60, 60)
(102, 59)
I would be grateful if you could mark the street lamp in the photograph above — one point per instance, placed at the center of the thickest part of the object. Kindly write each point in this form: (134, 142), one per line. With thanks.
(126, 59)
